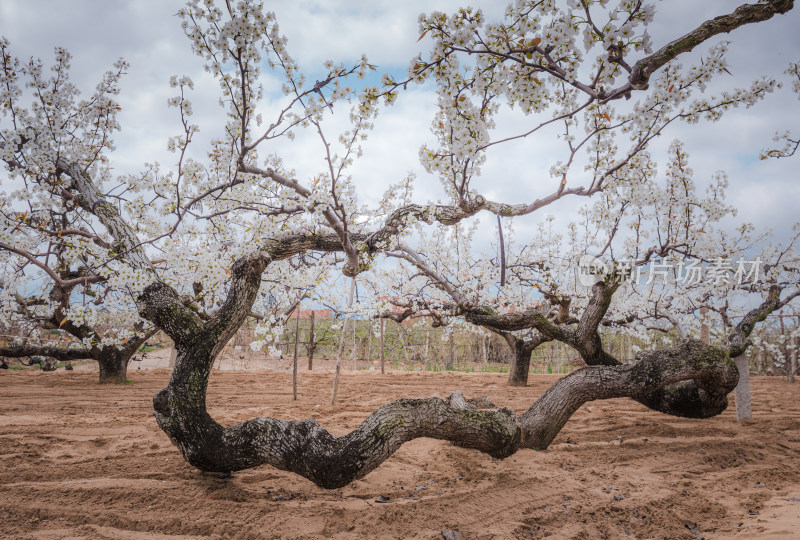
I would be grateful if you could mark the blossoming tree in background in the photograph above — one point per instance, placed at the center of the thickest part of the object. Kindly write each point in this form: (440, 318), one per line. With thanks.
(59, 272)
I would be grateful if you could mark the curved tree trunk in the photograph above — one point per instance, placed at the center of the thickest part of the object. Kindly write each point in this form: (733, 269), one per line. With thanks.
(662, 378)
(691, 369)
(307, 449)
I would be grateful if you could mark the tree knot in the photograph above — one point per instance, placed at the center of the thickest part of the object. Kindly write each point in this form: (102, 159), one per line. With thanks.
(161, 402)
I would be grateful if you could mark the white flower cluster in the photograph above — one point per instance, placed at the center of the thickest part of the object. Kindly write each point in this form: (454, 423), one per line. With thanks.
(555, 62)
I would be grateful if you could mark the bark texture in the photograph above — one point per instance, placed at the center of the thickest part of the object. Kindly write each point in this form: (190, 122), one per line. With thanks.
(307, 449)
(113, 364)
(521, 363)
(692, 379)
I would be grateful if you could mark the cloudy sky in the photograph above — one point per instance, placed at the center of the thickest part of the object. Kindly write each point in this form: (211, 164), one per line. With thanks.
(148, 35)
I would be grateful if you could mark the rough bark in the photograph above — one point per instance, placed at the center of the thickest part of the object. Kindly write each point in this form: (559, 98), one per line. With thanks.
(113, 365)
(307, 449)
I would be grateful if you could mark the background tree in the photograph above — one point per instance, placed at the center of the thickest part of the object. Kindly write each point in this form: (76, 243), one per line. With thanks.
(59, 272)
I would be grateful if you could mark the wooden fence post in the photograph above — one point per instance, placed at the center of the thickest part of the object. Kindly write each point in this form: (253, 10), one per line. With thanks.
(741, 393)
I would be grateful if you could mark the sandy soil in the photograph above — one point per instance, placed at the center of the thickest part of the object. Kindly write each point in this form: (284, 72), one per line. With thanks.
(80, 460)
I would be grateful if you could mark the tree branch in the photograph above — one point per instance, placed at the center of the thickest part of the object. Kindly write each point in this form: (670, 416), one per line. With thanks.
(745, 14)
(307, 449)
(59, 353)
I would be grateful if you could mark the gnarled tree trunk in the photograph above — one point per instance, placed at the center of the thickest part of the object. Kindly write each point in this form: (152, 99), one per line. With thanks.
(307, 449)
(692, 379)
(113, 365)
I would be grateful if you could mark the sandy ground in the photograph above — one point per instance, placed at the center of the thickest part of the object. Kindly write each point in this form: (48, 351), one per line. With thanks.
(80, 460)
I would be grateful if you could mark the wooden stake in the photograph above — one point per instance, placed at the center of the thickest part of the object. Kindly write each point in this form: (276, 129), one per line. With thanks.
(355, 348)
(369, 344)
(342, 340)
(741, 394)
(311, 342)
(296, 340)
(382, 353)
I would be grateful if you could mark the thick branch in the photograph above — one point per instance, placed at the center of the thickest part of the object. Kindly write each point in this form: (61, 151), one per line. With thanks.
(738, 340)
(65, 283)
(307, 449)
(92, 201)
(584, 338)
(160, 304)
(745, 14)
(59, 353)
(655, 371)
